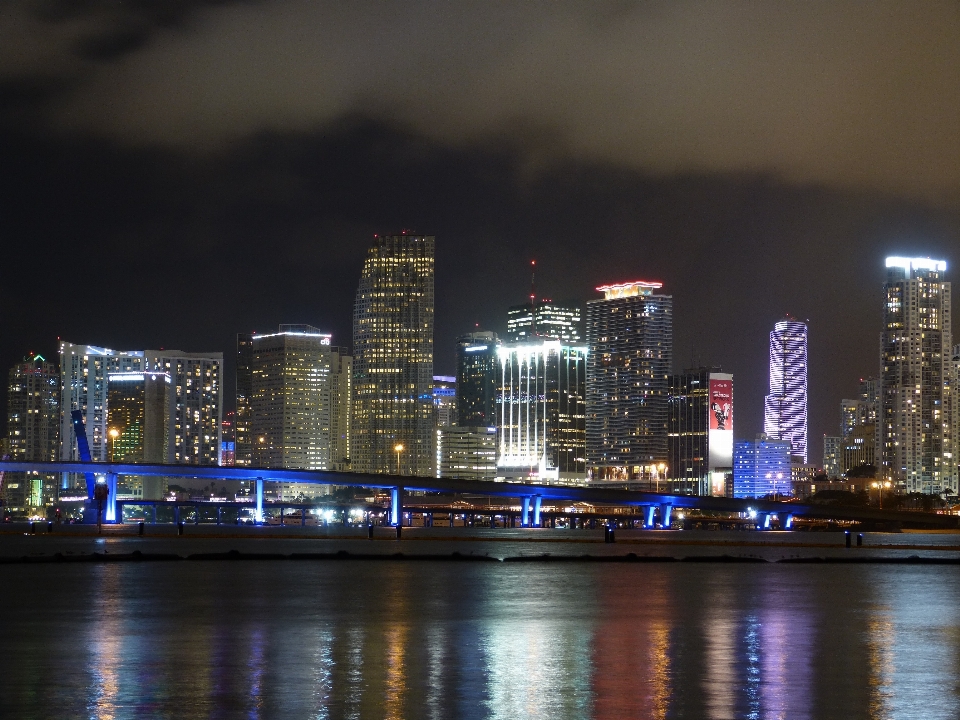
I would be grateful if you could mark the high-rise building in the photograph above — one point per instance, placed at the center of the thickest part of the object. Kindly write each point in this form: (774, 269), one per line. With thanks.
(138, 412)
(477, 377)
(393, 358)
(228, 439)
(545, 319)
(541, 435)
(700, 432)
(630, 339)
(444, 400)
(467, 453)
(858, 448)
(341, 402)
(761, 467)
(785, 408)
(832, 450)
(243, 454)
(296, 402)
(916, 436)
(195, 405)
(33, 424)
(84, 370)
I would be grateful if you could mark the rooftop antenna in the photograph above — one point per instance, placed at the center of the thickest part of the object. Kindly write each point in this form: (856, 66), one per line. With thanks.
(533, 298)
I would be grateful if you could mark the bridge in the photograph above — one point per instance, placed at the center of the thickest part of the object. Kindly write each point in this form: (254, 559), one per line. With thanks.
(530, 496)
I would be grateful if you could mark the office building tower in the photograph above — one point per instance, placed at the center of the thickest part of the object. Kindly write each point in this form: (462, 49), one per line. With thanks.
(761, 467)
(467, 453)
(84, 370)
(545, 319)
(393, 358)
(341, 403)
(858, 448)
(700, 432)
(33, 425)
(785, 408)
(955, 362)
(630, 337)
(243, 454)
(832, 450)
(138, 413)
(916, 420)
(541, 433)
(296, 401)
(228, 439)
(477, 379)
(444, 400)
(196, 404)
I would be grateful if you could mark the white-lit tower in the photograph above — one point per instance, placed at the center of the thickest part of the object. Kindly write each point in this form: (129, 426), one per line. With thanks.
(785, 408)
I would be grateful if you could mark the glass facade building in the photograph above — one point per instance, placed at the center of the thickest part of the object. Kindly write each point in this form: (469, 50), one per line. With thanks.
(700, 433)
(477, 379)
(630, 340)
(761, 467)
(33, 431)
(917, 391)
(243, 447)
(545, 319)
(393, 358)
(541, 434)
(785, 408)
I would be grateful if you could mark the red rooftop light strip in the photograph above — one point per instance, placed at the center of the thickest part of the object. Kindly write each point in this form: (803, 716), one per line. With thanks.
(624, 286)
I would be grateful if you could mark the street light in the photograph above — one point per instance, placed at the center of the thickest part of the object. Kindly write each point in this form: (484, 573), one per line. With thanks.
(399, 449)
(114, 434)
(660, 468)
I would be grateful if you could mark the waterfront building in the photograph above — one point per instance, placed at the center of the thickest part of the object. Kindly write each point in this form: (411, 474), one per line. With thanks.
(195, 414)
(477, 379)
(785, 408)
(761, 467)
(393, 358)
(700, 432)
(228, 439)
(630, 340)
(541, 434)
(444, 400)
(84, 370)
(243, 453)
(138, 413)
(33, 425)
(832, 448)
(295, 403)
(467, 453)
(917, 426)
(545, 319)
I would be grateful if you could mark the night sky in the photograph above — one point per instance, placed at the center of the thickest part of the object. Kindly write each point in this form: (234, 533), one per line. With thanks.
(176, 172)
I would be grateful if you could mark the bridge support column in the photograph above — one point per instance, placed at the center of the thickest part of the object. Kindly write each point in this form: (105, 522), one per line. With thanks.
(258, 515)
(648, 512)
(536, 511)
(665, 511)
(786, 521)
(766, 521)
(396, 508)
(110, 507)
(525, 516)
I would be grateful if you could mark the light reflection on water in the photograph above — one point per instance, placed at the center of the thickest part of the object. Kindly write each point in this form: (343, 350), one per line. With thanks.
(443, 640)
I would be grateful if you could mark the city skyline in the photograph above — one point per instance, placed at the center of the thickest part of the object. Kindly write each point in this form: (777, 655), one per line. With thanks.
(262, 217)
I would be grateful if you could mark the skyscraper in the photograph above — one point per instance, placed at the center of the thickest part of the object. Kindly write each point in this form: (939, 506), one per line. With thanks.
(444, 400)
(630, 340)
(243, 450)
(467, 453)
(138, 412)
(541, 435)
(33, 424)
(393, 358)
(195, 413)
(545, 319)
(761, 467)
(477, 379)
(917, 443)
(700, 439)
(785, 408)
(296, 400)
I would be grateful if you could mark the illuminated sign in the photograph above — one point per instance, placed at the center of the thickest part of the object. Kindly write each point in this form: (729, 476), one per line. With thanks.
(720, 436)
(917, 264)
(721, 404)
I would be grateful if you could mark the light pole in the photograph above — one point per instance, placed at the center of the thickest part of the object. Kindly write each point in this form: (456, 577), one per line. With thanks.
(398, 448)
(660, 468)
(114, 434)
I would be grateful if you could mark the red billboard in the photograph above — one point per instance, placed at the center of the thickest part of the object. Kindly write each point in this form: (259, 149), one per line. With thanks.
(721, 404)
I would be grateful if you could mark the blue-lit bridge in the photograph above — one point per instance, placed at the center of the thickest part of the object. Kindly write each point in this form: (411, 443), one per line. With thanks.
(654, 506)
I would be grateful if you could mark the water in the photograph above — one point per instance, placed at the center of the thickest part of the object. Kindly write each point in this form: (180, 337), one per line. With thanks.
(417, 639)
